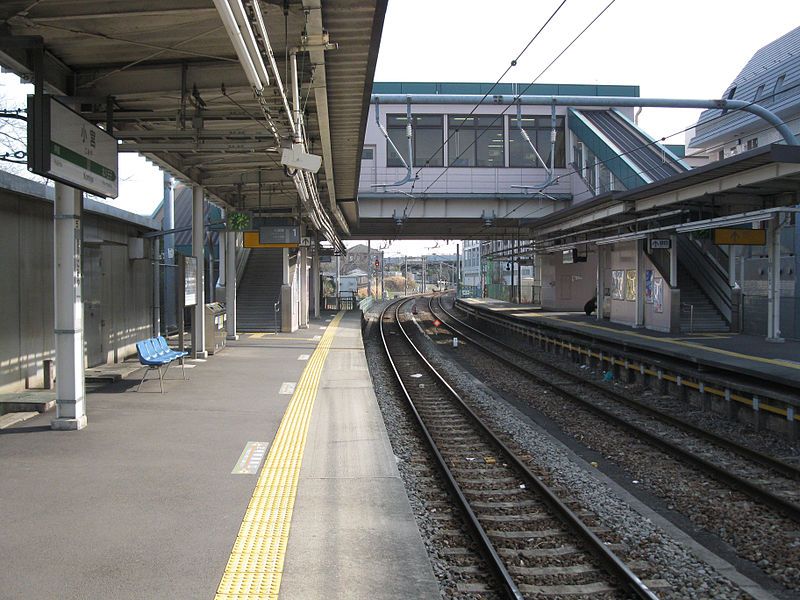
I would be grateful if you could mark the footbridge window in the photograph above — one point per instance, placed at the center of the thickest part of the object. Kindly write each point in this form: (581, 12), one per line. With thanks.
(476, 141)
(538, 129)
(427, 134)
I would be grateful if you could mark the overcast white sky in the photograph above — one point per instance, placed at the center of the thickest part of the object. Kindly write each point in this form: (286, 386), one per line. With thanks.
(674, 48)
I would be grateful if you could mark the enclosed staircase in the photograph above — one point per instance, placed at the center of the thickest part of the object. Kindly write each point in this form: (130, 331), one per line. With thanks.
(259, 290)
(698, 312)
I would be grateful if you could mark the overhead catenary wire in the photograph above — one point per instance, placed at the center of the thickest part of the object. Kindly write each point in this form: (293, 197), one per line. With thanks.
(516, 97)
(511, 65)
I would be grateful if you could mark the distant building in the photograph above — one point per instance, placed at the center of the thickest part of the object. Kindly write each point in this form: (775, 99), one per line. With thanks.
(770, 78)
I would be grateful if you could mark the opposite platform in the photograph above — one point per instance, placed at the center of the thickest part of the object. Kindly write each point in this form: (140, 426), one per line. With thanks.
(735, 353)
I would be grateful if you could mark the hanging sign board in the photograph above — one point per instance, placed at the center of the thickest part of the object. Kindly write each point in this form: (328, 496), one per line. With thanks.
(568, 256)
(190, 280)
(252, 239)
(660, 244)
(740, 237)
(279, 235)
(68, 148)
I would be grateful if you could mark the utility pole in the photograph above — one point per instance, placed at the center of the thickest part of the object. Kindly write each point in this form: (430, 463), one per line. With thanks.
(405, 276)
(369, 268)
(383, 272)
(423, 274)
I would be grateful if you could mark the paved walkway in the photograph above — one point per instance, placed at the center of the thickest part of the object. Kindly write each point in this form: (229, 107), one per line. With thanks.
(144, 502)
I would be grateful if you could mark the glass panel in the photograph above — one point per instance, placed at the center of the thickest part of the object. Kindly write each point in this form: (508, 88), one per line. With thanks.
(428, 147)
(427, 120)
(519, 152)
(489, 148)
(398, 136)
(367, 154)
(396, 121)
(459, 151)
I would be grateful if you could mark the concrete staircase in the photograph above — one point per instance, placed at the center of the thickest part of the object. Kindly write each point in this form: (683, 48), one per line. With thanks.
(706, 316)
(258, 291)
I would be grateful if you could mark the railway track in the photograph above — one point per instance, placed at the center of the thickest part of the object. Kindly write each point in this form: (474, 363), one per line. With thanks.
(762, 477)
(533, 542)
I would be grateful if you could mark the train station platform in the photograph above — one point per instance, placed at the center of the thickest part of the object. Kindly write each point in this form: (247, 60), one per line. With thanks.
(736, 354)
(267, 474)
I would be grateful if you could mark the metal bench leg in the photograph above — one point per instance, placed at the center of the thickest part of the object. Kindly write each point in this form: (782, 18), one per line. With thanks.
(161, 378)
(146, 371)
(183, 370)
(167, 369)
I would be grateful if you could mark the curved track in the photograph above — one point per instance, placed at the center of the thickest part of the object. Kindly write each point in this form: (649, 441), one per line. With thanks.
(755, 472)
(504, 503)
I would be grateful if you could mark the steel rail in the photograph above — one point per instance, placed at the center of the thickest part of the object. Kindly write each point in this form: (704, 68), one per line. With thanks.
(756, 492)
(612, 563)
(760, 458)
(480, 536)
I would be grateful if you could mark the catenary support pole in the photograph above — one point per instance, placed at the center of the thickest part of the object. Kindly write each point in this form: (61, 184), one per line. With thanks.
(369, 268)
(198, 250)
(70, 392)
(230, 283)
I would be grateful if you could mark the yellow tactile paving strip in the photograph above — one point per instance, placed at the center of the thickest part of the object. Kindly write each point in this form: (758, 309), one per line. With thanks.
(255, 565)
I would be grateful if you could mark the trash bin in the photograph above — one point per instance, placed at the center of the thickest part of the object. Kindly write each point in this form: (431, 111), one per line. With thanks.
(215, 325)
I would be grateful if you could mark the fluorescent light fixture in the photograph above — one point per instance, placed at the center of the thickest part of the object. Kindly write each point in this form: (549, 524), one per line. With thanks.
(249, 39)
(235, 35)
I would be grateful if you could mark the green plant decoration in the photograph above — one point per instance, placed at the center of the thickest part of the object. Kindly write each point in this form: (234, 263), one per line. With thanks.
(238, 221)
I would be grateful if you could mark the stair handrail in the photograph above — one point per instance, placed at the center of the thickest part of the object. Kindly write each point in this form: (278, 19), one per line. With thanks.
(242, 256)
(707, 275)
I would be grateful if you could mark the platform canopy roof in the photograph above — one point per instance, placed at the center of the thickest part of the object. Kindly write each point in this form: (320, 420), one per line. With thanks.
(746, 188)
(167, 73)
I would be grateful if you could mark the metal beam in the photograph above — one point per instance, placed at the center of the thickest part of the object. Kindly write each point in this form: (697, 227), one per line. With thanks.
(594, 101)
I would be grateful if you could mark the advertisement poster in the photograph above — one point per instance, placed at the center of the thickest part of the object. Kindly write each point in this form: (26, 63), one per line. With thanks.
(648, 286)
(630, 285)
(618, 285)
(658, 294)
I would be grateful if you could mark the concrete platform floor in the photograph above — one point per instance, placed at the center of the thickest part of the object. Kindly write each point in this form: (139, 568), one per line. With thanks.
(143, 503)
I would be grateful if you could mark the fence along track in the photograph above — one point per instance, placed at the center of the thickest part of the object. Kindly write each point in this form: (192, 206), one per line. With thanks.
(507, 507)
(784, 476)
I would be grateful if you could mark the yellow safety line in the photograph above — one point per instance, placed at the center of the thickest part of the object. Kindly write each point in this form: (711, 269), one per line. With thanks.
(255, 565)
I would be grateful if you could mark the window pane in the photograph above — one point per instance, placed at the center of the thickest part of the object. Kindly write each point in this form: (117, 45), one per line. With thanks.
(396, 121)
(542, 142)
(428, 147)
(459, 151)
(398, 136)
(489, 148)
(427, 120)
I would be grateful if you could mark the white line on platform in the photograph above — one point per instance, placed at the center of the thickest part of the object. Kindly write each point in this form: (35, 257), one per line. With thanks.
(250, 459)
(303, 357)
(287, 387)
(316, 338)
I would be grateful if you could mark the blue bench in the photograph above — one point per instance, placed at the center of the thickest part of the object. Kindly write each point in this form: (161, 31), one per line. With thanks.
(155, 353)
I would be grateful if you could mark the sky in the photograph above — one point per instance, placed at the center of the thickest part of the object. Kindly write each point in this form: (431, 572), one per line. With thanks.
(674, 49)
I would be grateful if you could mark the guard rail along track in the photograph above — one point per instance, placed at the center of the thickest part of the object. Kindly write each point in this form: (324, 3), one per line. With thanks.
(504, 504)
(781, 478)
(773, 404)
